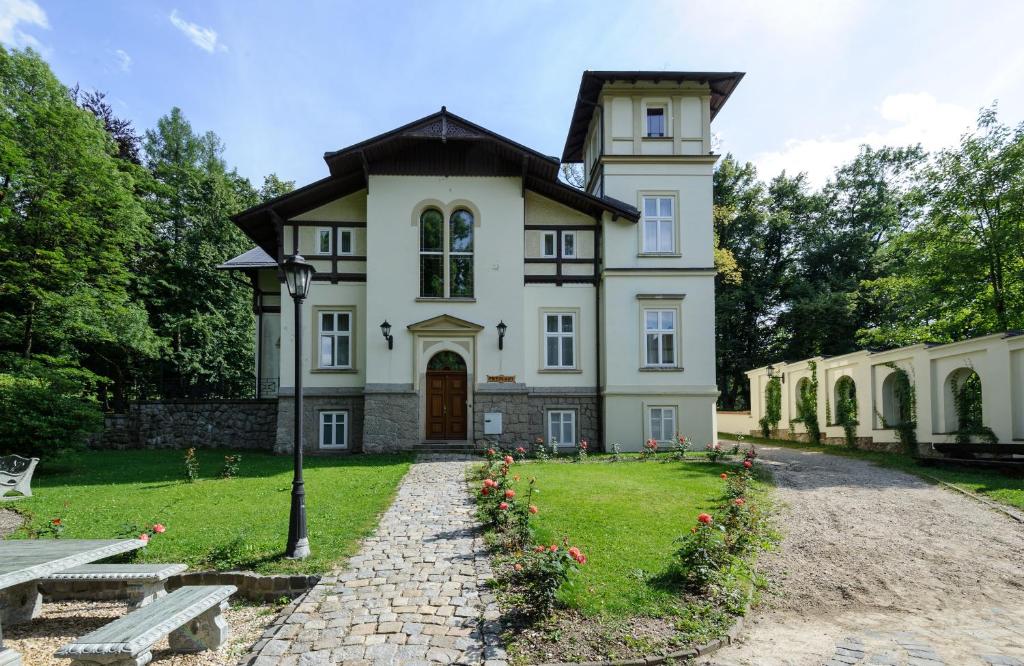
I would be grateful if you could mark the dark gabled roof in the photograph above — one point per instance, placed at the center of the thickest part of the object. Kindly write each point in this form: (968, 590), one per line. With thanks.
(722, 84)
(254, 258)
(441, 143)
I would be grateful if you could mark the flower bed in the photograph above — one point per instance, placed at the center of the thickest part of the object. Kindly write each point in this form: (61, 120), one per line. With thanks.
(632, 596)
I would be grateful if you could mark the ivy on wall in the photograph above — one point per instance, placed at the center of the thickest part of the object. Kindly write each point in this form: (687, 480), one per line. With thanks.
(846, 409)
(969, 413)
(905, 399)
(772, 407)
(807, 405)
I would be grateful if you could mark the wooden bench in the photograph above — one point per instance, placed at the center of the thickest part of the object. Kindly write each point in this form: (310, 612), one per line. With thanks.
(16, 475)
(191, 618)
(145, 582)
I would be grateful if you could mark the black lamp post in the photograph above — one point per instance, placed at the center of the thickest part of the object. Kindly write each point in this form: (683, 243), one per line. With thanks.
(502, 327)
(385, 330)
(298, 274)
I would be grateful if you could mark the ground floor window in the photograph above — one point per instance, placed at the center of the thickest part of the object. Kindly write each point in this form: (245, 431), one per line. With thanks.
(334, 430)
(562, 426)
(663, 423)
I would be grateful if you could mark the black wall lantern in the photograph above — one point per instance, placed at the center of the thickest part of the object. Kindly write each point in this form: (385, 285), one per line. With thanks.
(385, 330)
(773, 375)
(502, 327)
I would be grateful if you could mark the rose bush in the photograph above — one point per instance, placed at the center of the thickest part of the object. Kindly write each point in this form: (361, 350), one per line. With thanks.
(543, 570)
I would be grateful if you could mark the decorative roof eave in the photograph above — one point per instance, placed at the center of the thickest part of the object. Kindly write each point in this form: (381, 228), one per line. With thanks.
(445, 323)
(721, 84)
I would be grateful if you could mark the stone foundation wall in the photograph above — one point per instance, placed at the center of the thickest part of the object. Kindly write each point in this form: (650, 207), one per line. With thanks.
(392, 419)
(312, 404)
(586, 403)
(182, 424)
(864, 443)
(514, 406)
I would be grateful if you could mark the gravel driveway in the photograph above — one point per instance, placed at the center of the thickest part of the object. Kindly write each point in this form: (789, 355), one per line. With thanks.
(879, 567)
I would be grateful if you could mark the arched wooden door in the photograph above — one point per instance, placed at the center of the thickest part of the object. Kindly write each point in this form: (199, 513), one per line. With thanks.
(446, 397)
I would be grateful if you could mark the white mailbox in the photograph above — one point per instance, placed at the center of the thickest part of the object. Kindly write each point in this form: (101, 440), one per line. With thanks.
(492, 423)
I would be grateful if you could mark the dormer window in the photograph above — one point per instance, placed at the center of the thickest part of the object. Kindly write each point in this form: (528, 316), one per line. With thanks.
(655, 121)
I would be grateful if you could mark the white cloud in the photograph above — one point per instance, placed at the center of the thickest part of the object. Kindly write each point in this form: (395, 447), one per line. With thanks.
(911, 118)
(15, 12)
(124, 61)
(204, 38)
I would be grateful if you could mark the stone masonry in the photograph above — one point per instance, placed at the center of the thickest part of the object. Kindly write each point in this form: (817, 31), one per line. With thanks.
(312, 405)
(180, 424)
(587, 407)
(515, 416)
(416, 593)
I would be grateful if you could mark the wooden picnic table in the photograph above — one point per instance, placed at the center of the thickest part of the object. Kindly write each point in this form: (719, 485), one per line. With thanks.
(24, 561)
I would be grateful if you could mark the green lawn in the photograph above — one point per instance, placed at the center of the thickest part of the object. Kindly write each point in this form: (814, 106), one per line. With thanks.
(1003, 486)
(625, 517)
(216, 523)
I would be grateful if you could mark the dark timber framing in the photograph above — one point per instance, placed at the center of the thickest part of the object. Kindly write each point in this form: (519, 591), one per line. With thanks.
(559, 278)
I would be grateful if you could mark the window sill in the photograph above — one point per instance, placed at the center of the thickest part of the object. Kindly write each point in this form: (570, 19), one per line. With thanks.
(561, 371)
(456, 299)
(656, 138)
(661, 369)
(334, 370)
(660, 255)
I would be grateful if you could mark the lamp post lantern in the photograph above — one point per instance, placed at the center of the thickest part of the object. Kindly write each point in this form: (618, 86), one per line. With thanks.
(298, 275)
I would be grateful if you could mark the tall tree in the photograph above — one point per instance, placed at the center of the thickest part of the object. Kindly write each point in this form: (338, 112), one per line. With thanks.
(202, 312)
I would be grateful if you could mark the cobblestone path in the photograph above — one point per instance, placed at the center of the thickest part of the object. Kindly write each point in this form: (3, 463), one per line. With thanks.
(414, 594)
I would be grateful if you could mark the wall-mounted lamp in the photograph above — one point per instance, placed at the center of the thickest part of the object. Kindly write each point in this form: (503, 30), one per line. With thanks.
(385, 330)
(502, 327)
(772, 374)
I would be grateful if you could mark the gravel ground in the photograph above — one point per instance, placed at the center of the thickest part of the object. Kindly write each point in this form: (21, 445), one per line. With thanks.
(881, 557)
(62, 622)
(9, 521)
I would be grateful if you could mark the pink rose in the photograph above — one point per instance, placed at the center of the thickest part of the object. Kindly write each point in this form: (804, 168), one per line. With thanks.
(144, 538)
(159, 528)
(503, 506)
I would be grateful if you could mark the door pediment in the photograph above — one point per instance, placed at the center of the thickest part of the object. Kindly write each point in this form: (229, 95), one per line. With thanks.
(447, 325)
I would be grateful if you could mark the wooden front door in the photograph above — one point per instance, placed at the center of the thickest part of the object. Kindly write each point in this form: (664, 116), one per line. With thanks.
(446, 404)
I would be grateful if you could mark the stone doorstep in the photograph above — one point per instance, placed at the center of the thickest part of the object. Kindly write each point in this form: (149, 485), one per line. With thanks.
(251, 586)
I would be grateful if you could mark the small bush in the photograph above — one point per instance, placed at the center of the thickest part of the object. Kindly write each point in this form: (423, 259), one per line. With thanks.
(230, 468)
(649, 451)
(191, 466)
(41, 414)
(581, 451)
(702, 554)
(543, 570)
(680, 447)
(715, 451)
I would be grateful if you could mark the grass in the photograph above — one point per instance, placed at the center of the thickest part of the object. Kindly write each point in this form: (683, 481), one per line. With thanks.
(1006, 486)
(215, 523)
(625, 517)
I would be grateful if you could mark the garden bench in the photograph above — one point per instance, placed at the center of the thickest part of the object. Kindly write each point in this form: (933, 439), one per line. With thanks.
(146, 582)
(16, 474)
(191, 618)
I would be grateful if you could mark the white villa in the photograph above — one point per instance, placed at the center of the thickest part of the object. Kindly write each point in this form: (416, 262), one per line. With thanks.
(934, 370)
(517, 306)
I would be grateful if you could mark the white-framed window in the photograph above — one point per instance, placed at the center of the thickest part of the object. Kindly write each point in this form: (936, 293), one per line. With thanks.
(662, 422)
(569, 244)
(334, 430)
(660, 338)
(657, 121)
(324, 243)
(659, 224)
(335, 339)
(562, 426)
(345, 242)
(548, 244)
(559, 340)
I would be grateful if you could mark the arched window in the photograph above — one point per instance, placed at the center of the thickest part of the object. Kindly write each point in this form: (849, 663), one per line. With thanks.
(446, 254)
(845, 401)
(892, 407)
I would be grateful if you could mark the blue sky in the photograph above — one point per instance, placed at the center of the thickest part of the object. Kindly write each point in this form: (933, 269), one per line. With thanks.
(282, 82)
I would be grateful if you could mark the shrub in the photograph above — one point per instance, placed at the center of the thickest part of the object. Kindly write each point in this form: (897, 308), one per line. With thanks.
(616, 452)
(520, 453)
(230, 468)
(540, 451)
(581, 451)
(41, 414)
(680, 447)
(649, 451)
(191, 466)
(772, 407)
(702, 554)
(715, 451)
(543, 570)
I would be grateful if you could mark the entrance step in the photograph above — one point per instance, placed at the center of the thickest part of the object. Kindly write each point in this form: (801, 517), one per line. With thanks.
(446, 447)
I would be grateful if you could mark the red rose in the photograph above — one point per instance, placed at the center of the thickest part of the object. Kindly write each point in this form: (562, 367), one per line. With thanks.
(503, 506)
(56, 521)
(509, 460)
(724, 475)
(159, 529)
(553, 548)
(574, 552)
(748, 464)
(582, 559)
(739, 501)
(538, 549)
(704, 518)
(490, 452)
(533, 509)
(509, 494)
(485, 491)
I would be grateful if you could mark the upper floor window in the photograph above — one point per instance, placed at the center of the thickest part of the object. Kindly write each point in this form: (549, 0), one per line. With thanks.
(323, 241)
(660, 338)
(446, 254)
(569, 244)
(559, 340)
(345, 245)
(335, 340)
(548, 244)
(655, 121)
(659, 225)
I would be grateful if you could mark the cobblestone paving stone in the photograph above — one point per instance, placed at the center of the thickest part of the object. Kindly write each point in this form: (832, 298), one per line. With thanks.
(416, 593)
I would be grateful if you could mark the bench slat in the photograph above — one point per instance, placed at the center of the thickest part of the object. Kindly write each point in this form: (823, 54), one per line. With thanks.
(137, 631)
(126, 572)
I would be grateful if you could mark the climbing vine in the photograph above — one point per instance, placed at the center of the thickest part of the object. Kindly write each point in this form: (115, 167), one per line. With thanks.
(905, 398)
(967, 402)
(846, 409)
(807, 404)
(772, 407)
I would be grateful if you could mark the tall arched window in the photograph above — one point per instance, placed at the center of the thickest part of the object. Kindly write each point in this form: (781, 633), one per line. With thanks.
(446, 254)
